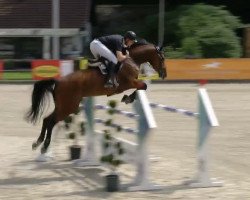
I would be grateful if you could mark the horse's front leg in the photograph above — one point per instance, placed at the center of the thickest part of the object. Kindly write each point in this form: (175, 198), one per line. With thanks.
(129, 98)
(139, 85)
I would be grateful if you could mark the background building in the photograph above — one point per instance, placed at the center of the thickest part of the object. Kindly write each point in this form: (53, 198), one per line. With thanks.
(25, 27)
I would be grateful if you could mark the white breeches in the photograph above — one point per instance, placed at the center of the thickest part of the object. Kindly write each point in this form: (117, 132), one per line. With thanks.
(100, 50)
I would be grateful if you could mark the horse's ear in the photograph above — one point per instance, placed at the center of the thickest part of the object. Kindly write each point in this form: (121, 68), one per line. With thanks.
(159, 48)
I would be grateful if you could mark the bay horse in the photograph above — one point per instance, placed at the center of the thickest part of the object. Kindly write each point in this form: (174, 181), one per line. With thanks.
(68, 91)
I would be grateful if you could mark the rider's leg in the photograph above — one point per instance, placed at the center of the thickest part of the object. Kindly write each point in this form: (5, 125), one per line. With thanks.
(100, 50)
(111, 82)
(97, 48)
(94, 46)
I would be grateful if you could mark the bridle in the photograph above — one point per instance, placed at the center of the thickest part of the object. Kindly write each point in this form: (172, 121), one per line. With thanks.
(160, 53)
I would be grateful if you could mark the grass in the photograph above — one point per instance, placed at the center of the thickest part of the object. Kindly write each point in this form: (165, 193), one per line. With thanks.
(17, 76)
(28, 76)
(152, 77)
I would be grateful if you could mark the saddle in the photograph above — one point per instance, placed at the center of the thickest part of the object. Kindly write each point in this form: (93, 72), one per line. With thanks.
(100, 63)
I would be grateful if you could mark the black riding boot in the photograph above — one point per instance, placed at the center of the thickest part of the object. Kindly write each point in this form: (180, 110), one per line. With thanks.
(111, 77)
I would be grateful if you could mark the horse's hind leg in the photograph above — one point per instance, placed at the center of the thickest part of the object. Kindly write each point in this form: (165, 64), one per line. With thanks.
(50, 123)
(59, 114)
(41, 136)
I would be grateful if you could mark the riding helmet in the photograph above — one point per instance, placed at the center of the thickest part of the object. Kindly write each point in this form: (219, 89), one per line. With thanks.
(130, 35)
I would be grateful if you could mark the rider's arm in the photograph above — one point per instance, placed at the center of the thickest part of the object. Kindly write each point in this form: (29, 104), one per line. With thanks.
(120, 56)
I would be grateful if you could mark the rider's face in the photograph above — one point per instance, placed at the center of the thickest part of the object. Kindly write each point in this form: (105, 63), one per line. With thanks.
(128, 42)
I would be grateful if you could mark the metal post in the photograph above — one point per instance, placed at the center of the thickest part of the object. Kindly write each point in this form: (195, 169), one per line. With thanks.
(46, 47)
(55, 25)
(161, 22)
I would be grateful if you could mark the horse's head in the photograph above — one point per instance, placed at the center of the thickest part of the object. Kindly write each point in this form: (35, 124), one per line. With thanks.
(146, 52)
(158, 63)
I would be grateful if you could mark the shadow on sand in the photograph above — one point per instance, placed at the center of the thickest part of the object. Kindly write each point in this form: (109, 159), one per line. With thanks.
(89, 179)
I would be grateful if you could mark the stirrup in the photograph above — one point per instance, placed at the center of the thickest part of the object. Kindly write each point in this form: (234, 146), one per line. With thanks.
(115, 82)
(109, 84)
(92, 60)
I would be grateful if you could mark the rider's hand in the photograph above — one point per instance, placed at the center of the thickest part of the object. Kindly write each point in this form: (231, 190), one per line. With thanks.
(120, 56)
(124, 51)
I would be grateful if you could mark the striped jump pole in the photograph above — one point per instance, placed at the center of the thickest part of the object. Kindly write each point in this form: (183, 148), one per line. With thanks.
(206, 121)
(90, 154)
(146, 123)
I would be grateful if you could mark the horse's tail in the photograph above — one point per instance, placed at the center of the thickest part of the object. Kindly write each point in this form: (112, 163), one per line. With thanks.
(40, 91)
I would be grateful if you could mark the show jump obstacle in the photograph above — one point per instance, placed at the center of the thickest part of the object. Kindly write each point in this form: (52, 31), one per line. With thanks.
(137, 153)
(146, 123)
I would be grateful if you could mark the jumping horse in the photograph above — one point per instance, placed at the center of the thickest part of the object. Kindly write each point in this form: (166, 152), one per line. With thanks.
(68, 91)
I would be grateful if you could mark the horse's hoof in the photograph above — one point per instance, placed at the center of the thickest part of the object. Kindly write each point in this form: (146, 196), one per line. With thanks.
(34, 146)
(43, 150)
(128, 100)
(131, 100)
(124, 98)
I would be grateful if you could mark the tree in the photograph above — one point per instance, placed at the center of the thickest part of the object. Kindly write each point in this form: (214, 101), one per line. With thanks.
(204, 31)
(199, 31)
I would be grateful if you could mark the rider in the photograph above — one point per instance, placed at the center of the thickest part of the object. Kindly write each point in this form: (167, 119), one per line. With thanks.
(110, 47)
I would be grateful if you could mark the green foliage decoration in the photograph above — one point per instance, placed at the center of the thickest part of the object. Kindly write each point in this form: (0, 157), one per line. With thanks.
(74, 127)
(113, 149)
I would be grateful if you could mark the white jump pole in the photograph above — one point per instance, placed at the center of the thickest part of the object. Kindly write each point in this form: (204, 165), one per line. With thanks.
(90, 154)
(146, 123)
(207, 120)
